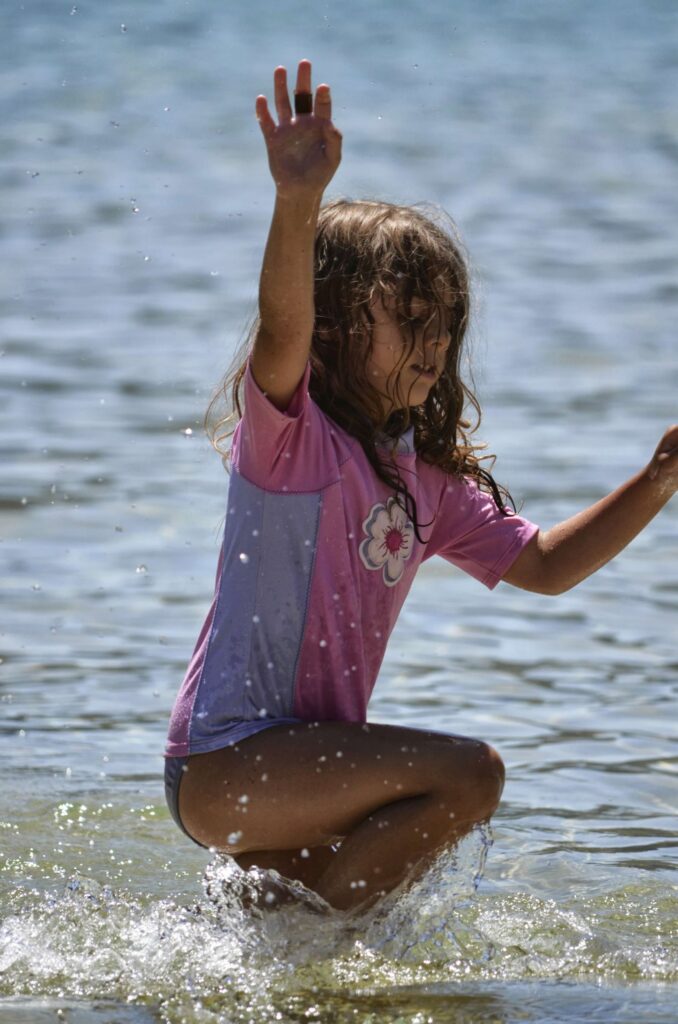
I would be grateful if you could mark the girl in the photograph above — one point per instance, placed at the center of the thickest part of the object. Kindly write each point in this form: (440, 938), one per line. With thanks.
(351, 464)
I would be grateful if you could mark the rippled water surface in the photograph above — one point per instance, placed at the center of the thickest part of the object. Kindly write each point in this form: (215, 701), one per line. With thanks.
(133, 212)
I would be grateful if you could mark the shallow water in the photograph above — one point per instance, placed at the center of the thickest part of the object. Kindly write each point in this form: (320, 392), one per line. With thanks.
(133, 211)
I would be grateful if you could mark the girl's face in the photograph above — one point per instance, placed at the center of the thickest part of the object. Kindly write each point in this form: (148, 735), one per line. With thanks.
(407, 358)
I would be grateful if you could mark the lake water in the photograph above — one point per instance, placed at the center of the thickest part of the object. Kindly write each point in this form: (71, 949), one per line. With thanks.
(133, 212)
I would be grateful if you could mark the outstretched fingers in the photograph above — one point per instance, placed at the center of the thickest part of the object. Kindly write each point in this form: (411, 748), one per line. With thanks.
(282, 99)
(266, 122)
(323, 102)
(303, 76)
(322, 105)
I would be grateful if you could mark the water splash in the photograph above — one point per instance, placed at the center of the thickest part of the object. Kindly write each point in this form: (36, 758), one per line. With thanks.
(428, 920)
(232, 954)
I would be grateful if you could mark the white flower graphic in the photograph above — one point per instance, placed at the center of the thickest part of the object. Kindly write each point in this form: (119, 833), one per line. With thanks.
(389, 540)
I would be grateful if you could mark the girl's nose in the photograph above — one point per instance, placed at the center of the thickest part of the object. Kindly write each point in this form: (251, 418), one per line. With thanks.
(437, 345)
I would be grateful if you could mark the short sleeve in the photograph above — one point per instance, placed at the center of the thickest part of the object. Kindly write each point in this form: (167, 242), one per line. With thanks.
(471, 532)
(298, 449)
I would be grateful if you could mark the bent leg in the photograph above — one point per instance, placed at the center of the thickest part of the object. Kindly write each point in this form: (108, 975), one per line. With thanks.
(305, 865)
(395, 797)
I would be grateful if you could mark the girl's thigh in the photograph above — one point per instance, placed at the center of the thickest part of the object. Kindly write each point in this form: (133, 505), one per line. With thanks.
(312, 783)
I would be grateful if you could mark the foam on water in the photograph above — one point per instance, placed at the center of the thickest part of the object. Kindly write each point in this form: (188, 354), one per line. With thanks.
(228, 956)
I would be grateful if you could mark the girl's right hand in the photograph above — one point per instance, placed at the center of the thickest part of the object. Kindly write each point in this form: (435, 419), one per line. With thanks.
(304, 150)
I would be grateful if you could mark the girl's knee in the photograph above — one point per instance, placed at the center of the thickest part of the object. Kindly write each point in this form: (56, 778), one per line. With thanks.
(489, 779)
(493, 771)
(482, 778)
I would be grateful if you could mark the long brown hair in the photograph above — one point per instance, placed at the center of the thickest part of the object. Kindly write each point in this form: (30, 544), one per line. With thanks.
(367, 250)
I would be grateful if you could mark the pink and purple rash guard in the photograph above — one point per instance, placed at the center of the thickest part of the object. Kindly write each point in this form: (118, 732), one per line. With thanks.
(316, 561)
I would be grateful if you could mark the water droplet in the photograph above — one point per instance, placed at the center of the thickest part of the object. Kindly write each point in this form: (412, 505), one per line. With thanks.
(255, 533)
(244, 558)
(255, 618)
(123, 28)
(305, 853)
(141, 569)
(323, 643)
(36, 586)
(187, 432)
(244, 799)
(234, 837)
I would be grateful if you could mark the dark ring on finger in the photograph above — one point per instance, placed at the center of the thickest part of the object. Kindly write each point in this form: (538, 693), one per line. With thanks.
(303, 103)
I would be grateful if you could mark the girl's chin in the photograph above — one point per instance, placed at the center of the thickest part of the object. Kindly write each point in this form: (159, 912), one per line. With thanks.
(421, 386)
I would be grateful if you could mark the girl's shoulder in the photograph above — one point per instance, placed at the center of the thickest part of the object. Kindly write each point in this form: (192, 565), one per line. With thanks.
(296, 449)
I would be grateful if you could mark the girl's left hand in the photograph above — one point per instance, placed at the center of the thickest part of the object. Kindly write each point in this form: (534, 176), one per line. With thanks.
(664, 464)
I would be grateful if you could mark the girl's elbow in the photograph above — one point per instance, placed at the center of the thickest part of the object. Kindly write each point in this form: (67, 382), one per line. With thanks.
(552, 575)
(554, 588)
(549, 580)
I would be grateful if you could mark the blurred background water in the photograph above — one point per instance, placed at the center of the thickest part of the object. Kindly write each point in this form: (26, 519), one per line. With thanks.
(134, 207)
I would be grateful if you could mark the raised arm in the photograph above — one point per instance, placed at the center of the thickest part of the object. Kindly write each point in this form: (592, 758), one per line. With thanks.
(304, 151)
(566, 554)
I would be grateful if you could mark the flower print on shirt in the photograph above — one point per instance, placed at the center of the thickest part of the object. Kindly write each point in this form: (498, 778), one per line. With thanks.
(389, 540)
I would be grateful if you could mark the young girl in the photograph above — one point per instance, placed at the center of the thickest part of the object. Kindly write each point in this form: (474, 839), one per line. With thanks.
(351, 464)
